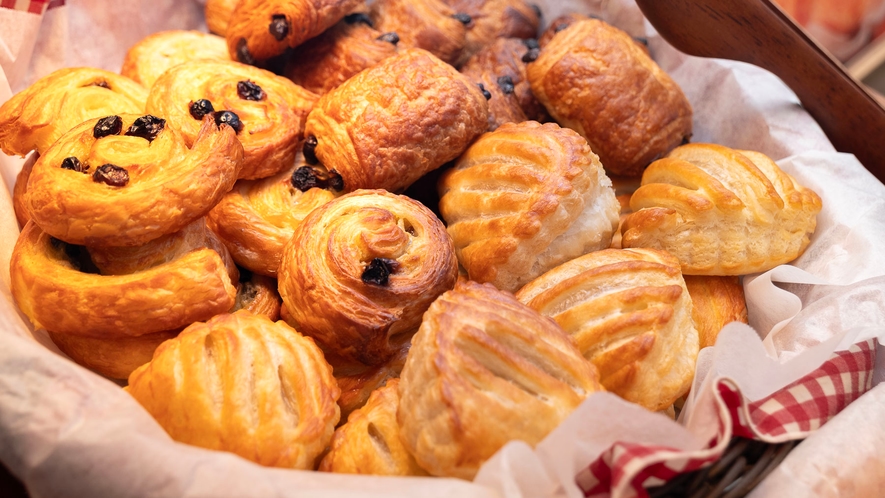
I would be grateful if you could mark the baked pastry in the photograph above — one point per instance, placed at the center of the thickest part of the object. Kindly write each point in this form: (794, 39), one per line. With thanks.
(127, 179)
(721, 211)
(523, 199)
(257, 217)
(244, 384)
(573, 76)
(716, 302)
(154, 55)
(493, 19)
(483, 370)
(427, 24)
(258, 294)
(362, 269)
(19, 205)
(392, 123)
(358, 381)
(267, 110)
(36, 117)
(218, 14)
(630, 313)
(115, 358)
(369, 442)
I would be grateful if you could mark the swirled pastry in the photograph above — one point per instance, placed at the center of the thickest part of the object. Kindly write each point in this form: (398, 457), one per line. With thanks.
(39, 115)
(483, 370)
(19, 205)
(244, 384)
(630, 313)
(268, 111)
(218, 14)
(127, 179)
(523, 199)
(716, 302)
(493, 19)
(573, 76)
(369, 442)
(392, 123)
(721, 211)
(427, 24)
(357, 381)
(258, 294)
(115, 358)
(154, 55)
(362, 269)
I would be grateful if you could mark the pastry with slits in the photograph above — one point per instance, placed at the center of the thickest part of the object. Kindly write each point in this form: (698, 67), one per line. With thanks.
(523, 199)
(631, 315)
(483, 370)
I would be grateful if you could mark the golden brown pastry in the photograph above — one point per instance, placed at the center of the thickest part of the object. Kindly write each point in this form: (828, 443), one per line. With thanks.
(218, 14)
(483, 370)
(154, 55)
(39, 115)
(523, 199)
(369, 442)
(493, 19)
(721, 211)
(574, 76)
(268, 111)
(126, 179)
(19, 205)
(357, 381)
(244, 384)
(392, 123)
(716, 302)
(258, 294)
(362, 269)
(560, 23)
(630, 313)
(115, 358)
(427, 24)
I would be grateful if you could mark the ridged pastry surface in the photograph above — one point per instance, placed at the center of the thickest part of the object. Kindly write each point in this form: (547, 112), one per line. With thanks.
(155, 54)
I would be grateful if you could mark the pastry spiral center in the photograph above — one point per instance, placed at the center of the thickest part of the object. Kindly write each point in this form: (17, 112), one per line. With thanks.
(381, 235)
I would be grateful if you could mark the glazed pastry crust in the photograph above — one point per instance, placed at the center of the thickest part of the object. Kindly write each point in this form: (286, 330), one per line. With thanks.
(19, 205)
(243, 384)
(484, 370)
(493, 19)
(560, 23)
(390, 124)
(716, 302)
(631, 315)
(424, 24)
(218, 14)
(154, 55)
(721, 211)
(574, 76)
(358, 381)
(258, 294)
(115, 358)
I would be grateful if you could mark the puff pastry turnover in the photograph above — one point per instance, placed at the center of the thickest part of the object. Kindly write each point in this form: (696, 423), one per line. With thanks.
(154, 55)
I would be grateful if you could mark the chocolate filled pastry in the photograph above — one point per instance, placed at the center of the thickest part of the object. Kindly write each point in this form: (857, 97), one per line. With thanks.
(493, 19)
(115, 358)
(716, 302)
(523, 199)
(428, 24)
(218, 14)
(357, 381)
(36, 117)
(260, 29)
(362, 269)
(243, 384)
(124, 180)
(258, 294)
(324, 62)
(574, 76)
(560, 23)
(154, 55)
(392, 123)
(369, 442)
(721, 211)
(484, 370)
(630, 313)
(19, 205)
(267, 111)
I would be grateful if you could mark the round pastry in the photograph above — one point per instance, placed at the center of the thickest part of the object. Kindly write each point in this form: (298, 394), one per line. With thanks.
(716, 302)
(721, 211)
(258, 294)
(19, 205)
(244, 384)
(268, 111)
(484, 370)
(427, 24)
(392, 123)
(154, 55)
(115, 358)
(493, 19)
(573, 76)
(127, 179)
(218, 14)
(362, 269)
(523, 199)
(36, 117)
(630, 313)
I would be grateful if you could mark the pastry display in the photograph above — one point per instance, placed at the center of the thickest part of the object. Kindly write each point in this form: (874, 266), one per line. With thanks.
(151, 57)
(716, 302)
(426, 24)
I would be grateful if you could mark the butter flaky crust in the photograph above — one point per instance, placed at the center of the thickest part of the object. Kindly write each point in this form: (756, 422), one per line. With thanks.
(258, 294)
(716, 302)
(243, 384)
(484, 370)
(19, 204)
(272, 125)
(721, 211)
(170, 183)
(596, 80)
(424, 24)
(321, 274)
(390, 124)
(631, 315)
(36, 117)
(155, 54)
(493, 19)
(218, 14)
(523, 199)
(116, 358)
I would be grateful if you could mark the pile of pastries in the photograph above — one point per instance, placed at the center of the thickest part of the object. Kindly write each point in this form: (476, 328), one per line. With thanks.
(385, 238)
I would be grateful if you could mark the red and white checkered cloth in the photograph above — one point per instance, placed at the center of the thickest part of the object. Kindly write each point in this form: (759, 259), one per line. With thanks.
(33, 6)
(626, 469)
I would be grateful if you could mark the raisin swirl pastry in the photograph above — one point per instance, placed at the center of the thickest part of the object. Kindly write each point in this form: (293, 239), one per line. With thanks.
(244, 384)
(154, 55)
(267, 111)
(523, 199)
(493, 19)
(258, 294)
(631, 315)
(721, 211)
(19, 205)
(483, 370)
(427, 24)
(362, 269)
(127, 179)
(392, 123)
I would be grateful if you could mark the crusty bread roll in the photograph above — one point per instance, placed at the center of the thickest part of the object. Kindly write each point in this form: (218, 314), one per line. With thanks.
(716, 302)
(155, 54)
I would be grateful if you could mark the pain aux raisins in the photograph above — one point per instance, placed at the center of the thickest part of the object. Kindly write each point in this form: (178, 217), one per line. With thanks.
(278, 27)
(463, 17)
(74, 164)
(112, 175)
(247, 90)
(200, 108)
(308, 177)
(389, 38)
(243, 53)
(531, 55)
(309, 150)
(229, 118)
(146, 127)
(378, 271)
(505, 83)
(110, 125)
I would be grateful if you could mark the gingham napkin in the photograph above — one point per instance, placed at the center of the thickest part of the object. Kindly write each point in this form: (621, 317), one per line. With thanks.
(33, 6)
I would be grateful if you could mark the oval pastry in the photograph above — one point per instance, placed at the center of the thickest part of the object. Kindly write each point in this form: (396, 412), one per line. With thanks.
(244, 384)
(364, 268)
(426, 24)
(154, 55)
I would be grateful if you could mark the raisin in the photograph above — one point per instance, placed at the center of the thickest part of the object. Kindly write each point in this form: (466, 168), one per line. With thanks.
(249, 91)
(110, 125)
(463, 17)
(485, 93)
(309, 150)
(335, 181)
(230, 118)
(359, 17)
(531, 55)
(146, 127)
(531, 43)
(389, 38)
(308, 177)
(505, 83)
(73, 164)
(200, 108)
(243, 54)
(278, 27)
(112, 175)
(378, 271)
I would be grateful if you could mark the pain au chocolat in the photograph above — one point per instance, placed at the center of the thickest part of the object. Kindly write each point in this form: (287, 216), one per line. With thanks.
(426, 24)
(493, 19)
